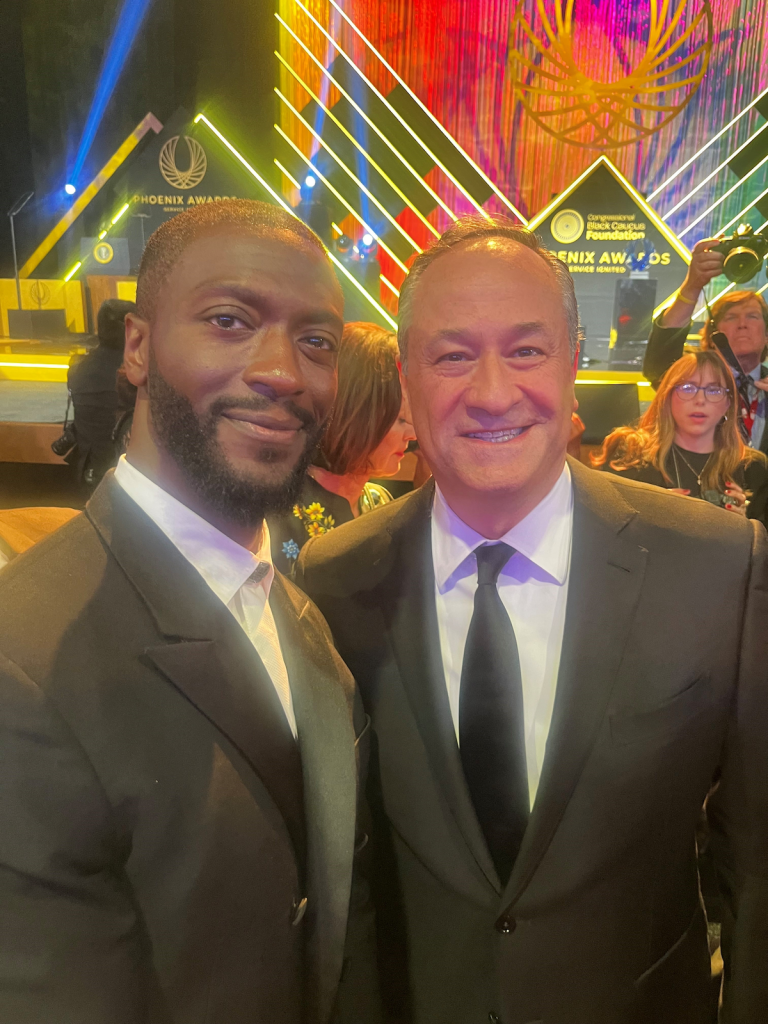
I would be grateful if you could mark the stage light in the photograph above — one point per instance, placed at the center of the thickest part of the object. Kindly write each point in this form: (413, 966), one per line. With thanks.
(109, 168)
(70, 189)
(329, 113)
(339, 196)
(287, 173)
(367, 240)
(389, 285)
(310, 181)
(355, 106)
(74, 270)
(392, 220)
(723, 197)
(120, 213)
(268, 188)
(706, 145)
(428, 112)
(128, 23)
(436, 160)
(343, 243)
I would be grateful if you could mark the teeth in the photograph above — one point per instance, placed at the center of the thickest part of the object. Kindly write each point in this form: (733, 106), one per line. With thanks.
(497, 435)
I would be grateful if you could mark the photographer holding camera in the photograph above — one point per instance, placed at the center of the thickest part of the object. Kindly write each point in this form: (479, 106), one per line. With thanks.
(742, 316)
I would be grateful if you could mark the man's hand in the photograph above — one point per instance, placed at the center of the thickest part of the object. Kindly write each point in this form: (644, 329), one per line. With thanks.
(705, 265)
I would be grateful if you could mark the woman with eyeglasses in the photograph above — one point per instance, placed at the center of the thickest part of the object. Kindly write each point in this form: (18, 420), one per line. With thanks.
(689, 442)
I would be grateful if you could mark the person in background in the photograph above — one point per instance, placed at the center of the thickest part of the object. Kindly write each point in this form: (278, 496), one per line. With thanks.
(689, 441)
(92, 386)
(742, 316)
(366, 437)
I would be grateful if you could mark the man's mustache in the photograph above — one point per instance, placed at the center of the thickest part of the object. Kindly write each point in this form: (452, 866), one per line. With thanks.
(258, 403)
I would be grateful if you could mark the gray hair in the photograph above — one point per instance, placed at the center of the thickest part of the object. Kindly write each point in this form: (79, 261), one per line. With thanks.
(468, 229)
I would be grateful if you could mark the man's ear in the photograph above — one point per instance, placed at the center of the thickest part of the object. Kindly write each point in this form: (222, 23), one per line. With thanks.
(575, 367)
(136, 353)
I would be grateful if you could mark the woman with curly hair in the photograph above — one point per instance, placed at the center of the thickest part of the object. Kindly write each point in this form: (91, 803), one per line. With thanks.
(366, 437)
(689, 442)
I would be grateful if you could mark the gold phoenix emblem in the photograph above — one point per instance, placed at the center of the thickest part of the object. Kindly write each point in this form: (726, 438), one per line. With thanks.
(584, 111)
(198, 163)
(40, 293)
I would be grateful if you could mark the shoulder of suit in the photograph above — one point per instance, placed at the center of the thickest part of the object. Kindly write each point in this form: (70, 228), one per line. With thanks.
(353, 550)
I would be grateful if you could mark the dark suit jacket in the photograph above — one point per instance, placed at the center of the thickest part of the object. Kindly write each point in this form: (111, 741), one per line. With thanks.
(662, 680)
(154, 850)
(665, 346)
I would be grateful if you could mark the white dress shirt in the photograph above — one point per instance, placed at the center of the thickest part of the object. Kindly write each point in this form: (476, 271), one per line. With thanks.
(240, 578)
(533, 587)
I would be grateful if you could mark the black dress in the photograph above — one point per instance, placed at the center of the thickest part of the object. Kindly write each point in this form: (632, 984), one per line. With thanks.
(684, 468)
(316, 512)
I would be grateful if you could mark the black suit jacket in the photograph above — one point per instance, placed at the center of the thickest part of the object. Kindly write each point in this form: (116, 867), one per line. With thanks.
(665, 346)
(662, 681)
(158, 860)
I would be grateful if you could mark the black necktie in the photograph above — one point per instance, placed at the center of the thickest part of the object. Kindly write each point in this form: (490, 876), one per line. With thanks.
(491, 720)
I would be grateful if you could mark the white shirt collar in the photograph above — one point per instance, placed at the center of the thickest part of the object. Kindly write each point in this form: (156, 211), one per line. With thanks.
(543, 537)
(224, 565)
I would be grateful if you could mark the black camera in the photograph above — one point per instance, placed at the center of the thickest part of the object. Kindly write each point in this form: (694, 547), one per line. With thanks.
(63, 445)
(744, 251)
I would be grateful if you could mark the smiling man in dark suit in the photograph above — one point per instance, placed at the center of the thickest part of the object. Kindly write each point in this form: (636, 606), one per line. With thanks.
(557, 664)
(178, 754)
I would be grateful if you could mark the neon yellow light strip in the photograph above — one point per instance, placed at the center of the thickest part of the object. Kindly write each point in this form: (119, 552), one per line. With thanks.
(279, 199)
(723, 197)
(288, 174)
(367, 119)
(394, 113)
(106, 172)
(706, 146)
(389, 285)
(429, 113)
(73, 271)
(329, 113)
(712, 174)
(679, 247)
(340, 197)
(741, 213)
(119, 214)
(37, 366)
(639, 383)
(351, 174)
(336, 227)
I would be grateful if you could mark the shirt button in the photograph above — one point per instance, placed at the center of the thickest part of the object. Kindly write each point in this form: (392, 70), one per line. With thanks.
(506, 924)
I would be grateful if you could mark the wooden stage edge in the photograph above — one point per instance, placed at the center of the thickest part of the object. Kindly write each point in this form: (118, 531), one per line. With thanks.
(29, 442)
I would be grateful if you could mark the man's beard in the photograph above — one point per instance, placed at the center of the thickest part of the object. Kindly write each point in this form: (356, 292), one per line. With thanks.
(192, 443)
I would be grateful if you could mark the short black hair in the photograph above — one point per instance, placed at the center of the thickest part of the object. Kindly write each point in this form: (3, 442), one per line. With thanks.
(167, 244)
(110, 321)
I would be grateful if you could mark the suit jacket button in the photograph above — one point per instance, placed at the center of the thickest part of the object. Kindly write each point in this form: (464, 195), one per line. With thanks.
(298, 910)
(506, 924)
(494, 1018)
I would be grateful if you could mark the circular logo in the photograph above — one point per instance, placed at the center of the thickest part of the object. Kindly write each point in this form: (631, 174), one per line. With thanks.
(198, 163)
(103, 252)
(566, 226)
(40, 293)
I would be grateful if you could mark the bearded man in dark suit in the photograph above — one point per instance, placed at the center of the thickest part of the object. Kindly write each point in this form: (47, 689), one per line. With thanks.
(180, 745)
(557, 664)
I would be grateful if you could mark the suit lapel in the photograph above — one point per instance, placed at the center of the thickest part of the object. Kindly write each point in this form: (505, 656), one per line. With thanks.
(411, 620)
(606, 576)
(323, 707)
(206, 656)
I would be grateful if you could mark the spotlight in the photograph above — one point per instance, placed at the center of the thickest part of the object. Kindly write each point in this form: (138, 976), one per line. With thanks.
(367, 245)
(70, 189)
(367, 239)
(310, 181)
(343, 243)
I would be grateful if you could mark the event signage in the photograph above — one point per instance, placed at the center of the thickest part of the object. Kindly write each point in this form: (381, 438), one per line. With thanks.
(605, 232)
(175, 171)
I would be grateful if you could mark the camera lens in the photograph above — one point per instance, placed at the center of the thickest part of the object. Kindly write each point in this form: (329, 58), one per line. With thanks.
(741, 264)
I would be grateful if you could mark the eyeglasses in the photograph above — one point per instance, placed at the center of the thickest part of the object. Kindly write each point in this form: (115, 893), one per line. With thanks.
(712, 392)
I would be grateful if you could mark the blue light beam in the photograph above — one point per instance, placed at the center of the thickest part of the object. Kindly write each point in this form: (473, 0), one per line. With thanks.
(126, 29)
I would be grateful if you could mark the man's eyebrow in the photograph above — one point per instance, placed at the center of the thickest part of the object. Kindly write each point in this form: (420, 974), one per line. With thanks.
(258, 300)
(518, 331)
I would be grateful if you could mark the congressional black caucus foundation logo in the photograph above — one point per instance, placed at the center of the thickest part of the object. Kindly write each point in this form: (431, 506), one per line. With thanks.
(173, 174)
